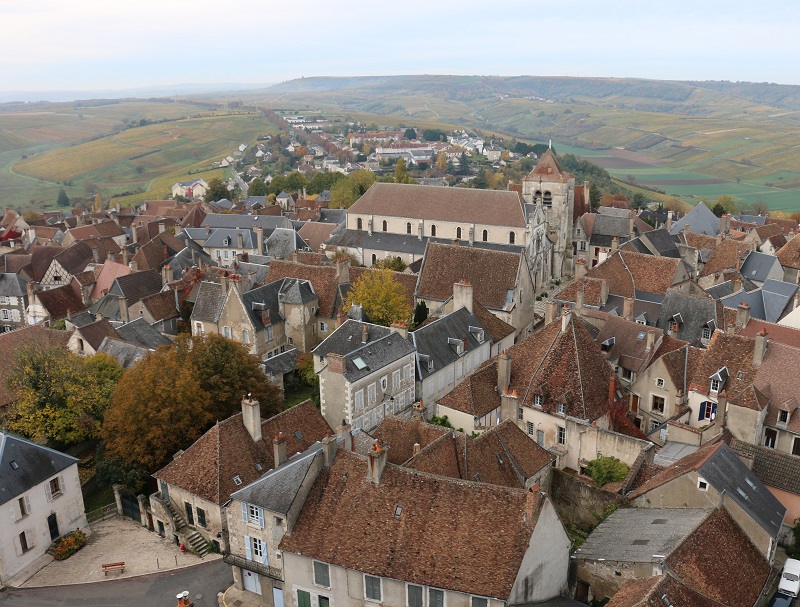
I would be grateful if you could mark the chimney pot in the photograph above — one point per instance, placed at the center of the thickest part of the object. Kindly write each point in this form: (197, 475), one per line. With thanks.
(376, 462)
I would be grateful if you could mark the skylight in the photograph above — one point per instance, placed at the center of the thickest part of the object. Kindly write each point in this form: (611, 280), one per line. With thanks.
(298, 435)
(237, 480)
(14, 464)
(359, 363)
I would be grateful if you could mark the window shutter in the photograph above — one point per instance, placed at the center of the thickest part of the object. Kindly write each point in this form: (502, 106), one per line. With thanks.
(264, 559)
(17, 546)
(714, 411)
(27, 505)
(62, 488)
(702, 412)
(48, 491)
(29, 538)
(248, 555)
(244, 512)
(261, 517)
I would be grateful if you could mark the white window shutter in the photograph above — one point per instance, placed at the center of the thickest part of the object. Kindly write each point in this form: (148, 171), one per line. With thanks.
(17, 545)
(264, 560)
(244, 512)
(48, 491)
(15, 512)
(247, 553)
(27, 505)
(62, 488)
(29, 538)
(261, 517)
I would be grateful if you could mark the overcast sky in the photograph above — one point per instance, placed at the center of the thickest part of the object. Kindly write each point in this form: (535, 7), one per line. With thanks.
(105, 44)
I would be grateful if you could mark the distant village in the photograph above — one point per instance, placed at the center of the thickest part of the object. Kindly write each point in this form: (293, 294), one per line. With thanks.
(579, 404)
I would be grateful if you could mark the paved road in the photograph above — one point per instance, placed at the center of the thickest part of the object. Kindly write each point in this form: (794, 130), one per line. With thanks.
(156, 590)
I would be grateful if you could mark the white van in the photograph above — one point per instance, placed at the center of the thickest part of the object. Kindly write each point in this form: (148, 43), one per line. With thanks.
(790, 578)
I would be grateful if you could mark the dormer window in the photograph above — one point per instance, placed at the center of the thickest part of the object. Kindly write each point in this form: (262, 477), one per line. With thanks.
(458, 344)
(706, 333)
(607, 344)
(226, 242)
(538, 400)
(715, 385)
(673, 327)
(783, 417)
(562, 409)
(478, 333)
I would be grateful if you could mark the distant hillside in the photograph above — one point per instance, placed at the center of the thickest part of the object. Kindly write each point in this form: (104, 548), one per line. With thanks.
(767, 93)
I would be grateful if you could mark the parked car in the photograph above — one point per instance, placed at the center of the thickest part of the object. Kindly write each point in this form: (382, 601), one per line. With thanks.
(781, 600)
(790, 578)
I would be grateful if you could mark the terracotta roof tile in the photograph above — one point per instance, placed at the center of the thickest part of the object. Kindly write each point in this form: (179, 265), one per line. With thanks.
(450, 534)
(728, 254)
(161, 305)
(592, 291)
(60, 301)
(477, 394)
(693, 461)
(626, 272)
(322, 278)
(491, 273)
(789, 254)
(400, 435)
(315, 233)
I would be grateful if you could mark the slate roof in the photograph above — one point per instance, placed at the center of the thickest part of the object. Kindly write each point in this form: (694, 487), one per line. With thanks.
(245, 222)
(431, 203)
(757, 266)
(139, 332)
(700, 219)
(127, 355)
(263, 302)
(483, 529)
(207, 469)
(283, 242)
(23, 465)
(209, 302)
(374, 355)
(492, 274)
(60, 301)
(725, 256)
(771, 302)
(695, 313)
(772, 467)
(137, 285)
(283, 363)
(323, 279)
(12, 285)
(657, 242)
(641, 535)
(75, 258)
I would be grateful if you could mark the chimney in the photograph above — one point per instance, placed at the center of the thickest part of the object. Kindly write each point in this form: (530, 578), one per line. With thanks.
(344, 432)
(265, 318)
(612, 389)
(631, 221)
(418, 410)
(417, 448)
(760, 348)
(364, 333)
(627, 308)
(651, 340)
(725, 223)
(335, 363)
(737, 284)
(686, 228)
(239, 240)
(550, 308)
(400, 329)
(208, 230)
(579, 301)
(98, 316)
(343, 271)
(376, 462)
(279, 449)
(722, 405)
(259, 236)
(614, 244)
(96, 254)
(125, 256)
(471, 234)
(161, 227)
(669, 221)
(580, 268)
(742, 314)
(603, 292)
(503, 371)
(251, 417)
(719, 238)
(462, 295)
(134, 233)
(166, 275)
(341, 317)
(329, 446)
(123, 309)
(420, 231)
(111, 256)
(509, 405)
(565, 315)
(369, 226)
(223, 281)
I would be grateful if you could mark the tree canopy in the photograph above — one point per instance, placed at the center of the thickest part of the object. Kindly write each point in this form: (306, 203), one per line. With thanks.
(63, 199)
(410, 133)
(383, 298)
(257, 187)
(346, 191)
(217, 190)
(60, 396)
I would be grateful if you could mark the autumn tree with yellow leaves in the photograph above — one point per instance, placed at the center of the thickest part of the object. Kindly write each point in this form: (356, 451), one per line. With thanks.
(383, 298)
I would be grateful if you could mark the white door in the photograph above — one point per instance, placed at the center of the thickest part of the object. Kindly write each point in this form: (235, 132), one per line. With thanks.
(277, 597)
(251, 581)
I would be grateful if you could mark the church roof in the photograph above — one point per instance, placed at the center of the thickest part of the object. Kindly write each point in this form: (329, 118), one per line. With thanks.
(549, 169)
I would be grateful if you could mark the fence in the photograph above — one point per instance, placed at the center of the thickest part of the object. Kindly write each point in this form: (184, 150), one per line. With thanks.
(102, 513)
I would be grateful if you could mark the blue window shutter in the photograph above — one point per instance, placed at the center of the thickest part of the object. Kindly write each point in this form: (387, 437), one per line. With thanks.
(261, 517)
(248, 555)
(702, 412)
(264, 560)
(244, 512)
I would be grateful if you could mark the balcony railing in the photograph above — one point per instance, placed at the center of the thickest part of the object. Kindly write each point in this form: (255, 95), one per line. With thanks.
(254, 566)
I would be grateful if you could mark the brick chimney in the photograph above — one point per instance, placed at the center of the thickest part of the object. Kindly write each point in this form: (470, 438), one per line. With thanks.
(223, 281)
(669, 221)
(550, 309)
(603, 292)
(345, 433)
(335, 362)
(376, 462)
(400, 328)
(503, 371)
(166, 275)
(580, 268)
(462, 295)
(279, 449)
(760, 348)
(631, 221)
(627, 308)
(251, 417)
(329, 447)
(614, 244)
(738, 285)
(742, 314)
(612, 389)
(364, 334)
(123, 308)
(722, 405)
(341, 318)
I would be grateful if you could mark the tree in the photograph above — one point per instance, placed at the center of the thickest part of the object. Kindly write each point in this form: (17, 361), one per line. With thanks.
(639, 201)
(718, 210)
(728, 203)
(401, 172)
(605, 470)
(395, 263)
(60, 396)
(434, 135)
(257, 187)
(594, 196)
(343, 194)
(31, 216)
(63, 199)
(383, 298)
(410, 133)
(759, 208)
(440, 168)
(420, 313)
(217, 190)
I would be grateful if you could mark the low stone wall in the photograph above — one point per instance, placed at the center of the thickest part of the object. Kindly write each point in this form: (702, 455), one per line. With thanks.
(580, 502)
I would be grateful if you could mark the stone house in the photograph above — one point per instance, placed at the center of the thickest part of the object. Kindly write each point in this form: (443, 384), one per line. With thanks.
(233, 453)
(366, 372)
(46, 307)
(41, 501)
(789, 256)
(504, 546)
(599, 235)
(65, 265)
(13, 302)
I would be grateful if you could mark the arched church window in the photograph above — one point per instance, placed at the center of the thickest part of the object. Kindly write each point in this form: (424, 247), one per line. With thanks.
(486, 236)
(547, 199)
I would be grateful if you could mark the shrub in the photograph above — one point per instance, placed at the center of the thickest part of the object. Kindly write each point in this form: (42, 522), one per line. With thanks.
(69, 545)
(605, 470)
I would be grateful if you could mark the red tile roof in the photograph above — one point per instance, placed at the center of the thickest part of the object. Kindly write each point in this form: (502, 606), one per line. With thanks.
(477, 394)
(323, 279)
(789, 254)
(400, 435)
(692, 462)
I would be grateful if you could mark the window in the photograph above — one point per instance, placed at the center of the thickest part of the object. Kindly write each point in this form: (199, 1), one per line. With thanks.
(435, 597)
(322, 574)
(654, 423)
(359, 400)
(478, 601)
(269, 335)
(56, 277)
(702, 484)
(582, 245)
(255, 515)
(715, 385)
(290, 341)
(562, 409)
(3, 300)
(24, 504)
(708, 410)
(384, 382)
(783, 416)
(486, 236)
(414, 596)
(54, 488)
(385, 226)
(433, 231)
(512, 238)
(245, 336)
(5, 314)
(520, 413)
(531, 428)
(562, 435)
(226, 332)
(673, 327)
(396, 379)
(408, 228)
(796, 446)
(458, 233)
(237, 480)
(25, 540)
(770, 438)
(657, 406)
(538, 400)
(359, 224)
(659, 382)
(372, 587)
(372, 394)
(547, 200)
(540, 438)
(303, 598)
(706, 333)
(201, 518)
(407, 370)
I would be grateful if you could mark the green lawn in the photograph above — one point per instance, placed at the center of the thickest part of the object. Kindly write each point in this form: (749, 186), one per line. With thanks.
(299, 394)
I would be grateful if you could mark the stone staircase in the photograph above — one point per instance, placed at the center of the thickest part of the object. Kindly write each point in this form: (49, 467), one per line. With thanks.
(194, 540)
